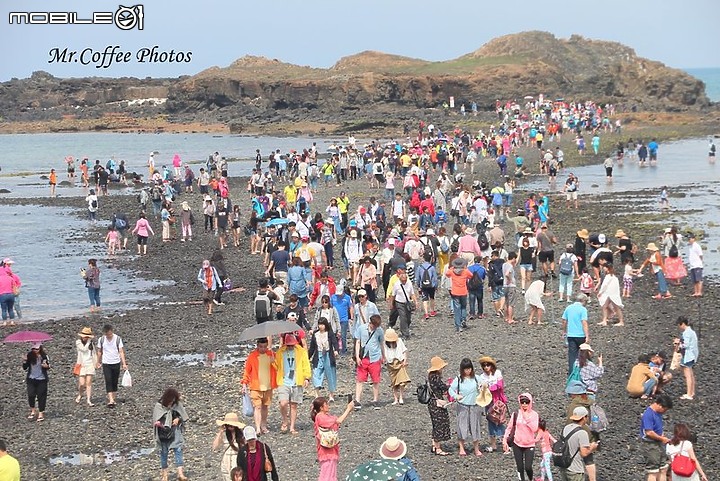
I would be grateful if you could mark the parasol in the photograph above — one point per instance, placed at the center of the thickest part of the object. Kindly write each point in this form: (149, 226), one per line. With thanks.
(28, 336)
(378, 470)
(266, 329)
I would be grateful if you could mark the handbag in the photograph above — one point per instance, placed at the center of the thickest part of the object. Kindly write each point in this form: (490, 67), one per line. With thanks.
(511, 436)
(408, 302)
(329, 438)
(76, 369)
(268, 466)
(683, 465)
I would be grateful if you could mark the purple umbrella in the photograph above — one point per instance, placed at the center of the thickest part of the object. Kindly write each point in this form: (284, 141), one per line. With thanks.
(28, 336)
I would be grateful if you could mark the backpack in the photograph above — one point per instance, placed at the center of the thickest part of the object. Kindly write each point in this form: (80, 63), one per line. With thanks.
(598, 420)
(424, 394)
(455, 244)
(93, 204)
(496, 275)
(673, 252)
(426, 281)
(566, 264)
(262, 305)
(444, 246)
(483, 242)
(561, 451)
(498, 413)
(683, 465)
(476, 282)
(120, 223)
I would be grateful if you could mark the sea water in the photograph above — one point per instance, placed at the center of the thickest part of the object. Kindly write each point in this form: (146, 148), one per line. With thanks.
(711, 77)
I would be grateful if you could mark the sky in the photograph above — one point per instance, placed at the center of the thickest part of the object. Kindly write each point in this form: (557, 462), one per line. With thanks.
(317, 33)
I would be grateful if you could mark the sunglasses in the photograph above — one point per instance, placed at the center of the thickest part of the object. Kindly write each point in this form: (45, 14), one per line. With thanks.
(485, 364)
(524, 401)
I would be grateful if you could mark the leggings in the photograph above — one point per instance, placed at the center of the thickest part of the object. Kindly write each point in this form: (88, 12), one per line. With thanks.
(545, 471)
(37, 388)
(524, 461)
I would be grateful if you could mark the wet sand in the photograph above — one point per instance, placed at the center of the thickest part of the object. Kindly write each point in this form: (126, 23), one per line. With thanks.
(532, 358)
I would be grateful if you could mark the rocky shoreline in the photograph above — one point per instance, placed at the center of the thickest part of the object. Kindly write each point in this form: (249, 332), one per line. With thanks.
(532, 358)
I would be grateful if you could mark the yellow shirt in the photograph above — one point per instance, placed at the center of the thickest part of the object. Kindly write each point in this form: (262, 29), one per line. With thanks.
(405, 160)
(264, 363)
(290, 194)
(9, 469)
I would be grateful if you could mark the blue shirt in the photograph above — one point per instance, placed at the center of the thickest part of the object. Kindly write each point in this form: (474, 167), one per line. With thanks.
(690, 344)
(370, 342)
(479, 269)
(652, 146)
(651, 421)
(298, 278)
(469, 388)
(432, 272)
(574, 314)
(289, 367)
(342, 303)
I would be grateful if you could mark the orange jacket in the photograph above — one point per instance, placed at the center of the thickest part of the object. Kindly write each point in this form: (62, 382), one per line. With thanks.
(252, 365)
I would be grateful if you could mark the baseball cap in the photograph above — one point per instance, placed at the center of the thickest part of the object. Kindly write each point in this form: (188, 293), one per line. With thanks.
(578, 413)
(249, 433)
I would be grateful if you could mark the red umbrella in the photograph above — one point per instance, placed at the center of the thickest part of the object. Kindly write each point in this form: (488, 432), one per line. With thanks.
(28, 336)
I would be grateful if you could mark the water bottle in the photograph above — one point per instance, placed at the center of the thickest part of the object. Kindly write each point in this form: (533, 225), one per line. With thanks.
(594, 419)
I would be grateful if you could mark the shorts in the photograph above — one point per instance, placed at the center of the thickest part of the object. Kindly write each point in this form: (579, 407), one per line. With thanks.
(553, 172)
(427, 293)
(546, 256)
(696, 274)
(689, 364)
(208, 296)
(367, 368)
(608, 171)
(495, 430)
(294, 394)
(654, 456)
(142, 240)
(497, 293)
(379, 177)
(261, 398)
(526, 267)
(571, 195)
(204, 189)
(510, 294)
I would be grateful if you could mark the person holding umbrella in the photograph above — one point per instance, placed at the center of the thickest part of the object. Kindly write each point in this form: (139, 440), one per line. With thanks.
(37, 365)
(394, 449)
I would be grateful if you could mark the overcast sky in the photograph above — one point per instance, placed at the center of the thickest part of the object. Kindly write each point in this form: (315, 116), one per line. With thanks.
(319, 32)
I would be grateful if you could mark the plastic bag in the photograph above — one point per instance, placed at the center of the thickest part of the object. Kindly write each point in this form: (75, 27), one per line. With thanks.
(248, 409)
(126, 379)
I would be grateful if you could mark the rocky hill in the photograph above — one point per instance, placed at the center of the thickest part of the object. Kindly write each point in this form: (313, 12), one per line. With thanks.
(369, 86)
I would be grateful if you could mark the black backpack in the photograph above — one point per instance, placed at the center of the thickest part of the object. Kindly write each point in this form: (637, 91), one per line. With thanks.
(561, 450)
(496, 274)
(483, 242)
(424, 394)
(476, 282)
(455, 245)
(426, 281)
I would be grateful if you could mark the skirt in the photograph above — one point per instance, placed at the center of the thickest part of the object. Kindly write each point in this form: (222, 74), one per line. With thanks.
(398, 374)
(674, 268)
(87, 369)
(469, 422)
(440, 419)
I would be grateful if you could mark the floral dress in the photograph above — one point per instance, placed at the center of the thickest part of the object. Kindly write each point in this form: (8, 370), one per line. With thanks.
(440, 417)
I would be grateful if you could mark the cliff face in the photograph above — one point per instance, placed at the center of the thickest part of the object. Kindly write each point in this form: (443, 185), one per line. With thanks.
(374, 84)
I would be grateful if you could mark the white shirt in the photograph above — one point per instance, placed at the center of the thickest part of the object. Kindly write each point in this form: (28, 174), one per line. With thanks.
(398, 352)
(397, 208)
(110, 351)
(397, 291)
(695, 256)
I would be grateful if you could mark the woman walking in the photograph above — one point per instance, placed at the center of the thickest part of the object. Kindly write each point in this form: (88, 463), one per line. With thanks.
(86, 359)
(187, 219)
(492, 377)
(323, 353)
(255, 458)
(671, 245)
(217, 261)
(465, 389)
(655, 261)
(437, 407)
(230, 438)
(37, 365)
(524, 425)
(326, 436)
(169, 418)
(92, 282)
(210, 281)
(681, 444)
(142, 230)
(609, 297)
(396, 359)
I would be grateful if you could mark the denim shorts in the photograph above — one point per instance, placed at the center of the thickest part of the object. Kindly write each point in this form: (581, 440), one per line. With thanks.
(526, 267)
(497, 293)
(495, 430)
(688, 364)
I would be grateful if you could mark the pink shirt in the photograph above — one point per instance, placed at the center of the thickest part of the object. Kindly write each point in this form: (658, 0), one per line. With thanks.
(326, 421)
(142, 227)
(546, 441)
(468, 243)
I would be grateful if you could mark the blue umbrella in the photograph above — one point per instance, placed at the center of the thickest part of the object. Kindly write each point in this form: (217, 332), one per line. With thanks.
(277, 221)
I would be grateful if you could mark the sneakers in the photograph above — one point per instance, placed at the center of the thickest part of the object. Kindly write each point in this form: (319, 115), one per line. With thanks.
(433, 314)
(686, 397)
(216, 302)
(375, 405)
(464, 324)
(358, 406)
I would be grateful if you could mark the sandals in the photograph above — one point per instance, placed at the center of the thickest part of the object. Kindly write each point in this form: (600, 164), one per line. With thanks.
(294, 432)
(438, 452)
(31, 416)
(40, 418)
(283, 428)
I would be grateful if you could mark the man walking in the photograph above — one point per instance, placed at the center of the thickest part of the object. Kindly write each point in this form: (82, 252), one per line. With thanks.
(111, 356)
(579, 445)
(401, 296)
(459, 276)
(369, 357)
(688, 345)
(652, 440)
(575, 328)
(293, 374)
(260, 378)
(695, 259)
(509, 286)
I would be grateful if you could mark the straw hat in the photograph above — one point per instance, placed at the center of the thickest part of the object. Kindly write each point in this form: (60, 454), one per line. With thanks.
(391, 335)
(437, 363)
(86, 332)
(230, 419)
(583, 233)
(484, 398)
(620, 233)
(489, 360)
(652, 247)
(586, 347)
(528, 230)
(393, 448)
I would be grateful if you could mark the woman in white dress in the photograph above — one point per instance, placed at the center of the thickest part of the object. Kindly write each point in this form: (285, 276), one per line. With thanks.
(681, 444)
(86, 358)
(533, 301)
(609, 297)
(230, 439)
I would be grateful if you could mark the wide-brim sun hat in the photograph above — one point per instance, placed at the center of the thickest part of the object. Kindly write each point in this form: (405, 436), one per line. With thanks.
(652, 247)
(487, 360)
(86, 332)
(528, 230)
(586, 347)
(583, 233)
(437, 363)
(484, 398)
(458, 262)
(393, 448)
(230, 419)
(391, 335)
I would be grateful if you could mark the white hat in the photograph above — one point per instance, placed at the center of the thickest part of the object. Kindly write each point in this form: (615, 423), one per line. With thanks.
(249, 433)
(353, 233)
(430, 232)
(391, 241)
(578, 413)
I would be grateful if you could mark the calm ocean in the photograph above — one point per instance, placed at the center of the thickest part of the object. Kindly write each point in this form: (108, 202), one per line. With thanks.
(711, 77)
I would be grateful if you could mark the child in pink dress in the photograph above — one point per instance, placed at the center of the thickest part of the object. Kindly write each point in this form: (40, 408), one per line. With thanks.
(546, 441)
(112, 239)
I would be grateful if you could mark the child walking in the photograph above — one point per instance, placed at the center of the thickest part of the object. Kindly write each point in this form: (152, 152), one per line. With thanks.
(112, 239)
(587, 284)
(546, 441)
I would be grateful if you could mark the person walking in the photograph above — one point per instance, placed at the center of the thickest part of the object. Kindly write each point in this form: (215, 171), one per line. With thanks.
(465, 388)
(37, 365)
(369, 358)
(86, 359)
(111, 357)
(169, 419)
(259, 380)
(396, 361)
(293, 375)
(402, 296)
(426, 279)
(210, 281)
(524, 426)
(142, 230)
(655, 261)
(323, 353)
(255, 458)
(575, 328)
(509, 286)
(609, 297)
(578, 443)
(187, 219)
(492, 377)
(681, 444)
(437, 407)
(230, 438)
(9, 466)
(92, 283)
(459, 276)
(9, 290)
(688, 346)
(695, 259)
(652, 438)
(326, 436)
